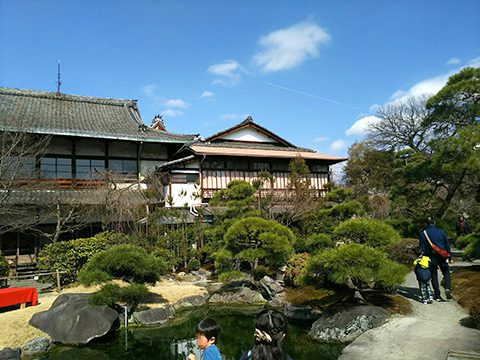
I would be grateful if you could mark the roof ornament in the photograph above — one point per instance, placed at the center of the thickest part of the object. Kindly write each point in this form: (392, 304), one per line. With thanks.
(158, 123)
(142, 127)
(59, 82)
(249, 119)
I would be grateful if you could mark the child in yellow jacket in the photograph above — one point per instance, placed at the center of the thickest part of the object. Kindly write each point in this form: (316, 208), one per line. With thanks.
(424, 275)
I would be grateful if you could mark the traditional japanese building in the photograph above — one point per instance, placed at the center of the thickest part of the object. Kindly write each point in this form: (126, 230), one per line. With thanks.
(205, 166)
(90, 139)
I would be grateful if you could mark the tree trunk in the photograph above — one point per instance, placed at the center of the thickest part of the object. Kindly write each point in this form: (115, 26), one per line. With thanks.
(446, 203)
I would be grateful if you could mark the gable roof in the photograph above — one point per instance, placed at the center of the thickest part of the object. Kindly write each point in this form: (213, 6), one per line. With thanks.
(72, 115)
(249, 123)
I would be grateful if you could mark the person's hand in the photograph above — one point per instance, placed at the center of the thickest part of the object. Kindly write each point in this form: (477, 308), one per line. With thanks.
(450, 260)
(191, 357)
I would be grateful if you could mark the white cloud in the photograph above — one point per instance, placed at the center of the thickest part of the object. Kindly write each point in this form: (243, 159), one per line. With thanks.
(172, 113)
(320, 139)
(426, 87)
(475, 63)
(233, 116)
(360, 127)
(207, 94)
(151, 92)
(228, 72)
(287, 48)
(454, 61)
(177, 103)
(338, 145)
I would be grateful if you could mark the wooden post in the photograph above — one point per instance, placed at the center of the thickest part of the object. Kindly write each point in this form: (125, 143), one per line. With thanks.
(58, 281)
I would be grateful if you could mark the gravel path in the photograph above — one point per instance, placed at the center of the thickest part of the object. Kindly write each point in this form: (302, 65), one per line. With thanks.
(428, 333)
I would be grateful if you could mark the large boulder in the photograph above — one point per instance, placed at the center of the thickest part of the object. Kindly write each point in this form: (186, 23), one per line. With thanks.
(36, 346)
(191, 301)
(10, 354)
(244, 295)
(270, 287)
(72, 320)
(347, 323)
(154, 316)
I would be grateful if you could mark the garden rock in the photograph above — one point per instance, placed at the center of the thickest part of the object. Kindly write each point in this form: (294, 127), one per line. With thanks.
(72, 320)
(301, 312)
(244, 295)
(192, 301)
(279, 300)
(154, 316)
(346, 324)
(36, 346)
(10, 354)
(271, 287)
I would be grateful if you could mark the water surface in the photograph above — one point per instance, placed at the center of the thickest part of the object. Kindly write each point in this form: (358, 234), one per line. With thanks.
(174, 340)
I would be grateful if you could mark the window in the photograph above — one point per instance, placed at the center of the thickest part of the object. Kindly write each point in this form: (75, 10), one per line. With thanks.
(55, 168)
(90, 168)
(260, 166)
(237, 164)
(319, 168)
(280, 166)
(16, 167)
(126, 167)
(184, 178)
(214, 164)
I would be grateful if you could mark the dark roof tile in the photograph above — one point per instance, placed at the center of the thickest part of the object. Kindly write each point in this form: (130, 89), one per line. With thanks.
(73, 115)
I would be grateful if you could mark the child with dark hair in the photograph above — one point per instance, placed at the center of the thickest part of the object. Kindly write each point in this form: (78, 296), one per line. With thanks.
(424, 275)
(206, 335)
(270, 330)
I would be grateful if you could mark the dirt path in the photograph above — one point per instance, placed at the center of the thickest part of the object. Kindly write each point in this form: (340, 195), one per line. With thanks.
(428, 333)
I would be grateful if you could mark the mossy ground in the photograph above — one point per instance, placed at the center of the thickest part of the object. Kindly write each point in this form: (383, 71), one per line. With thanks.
(321, 298)
(466, 290)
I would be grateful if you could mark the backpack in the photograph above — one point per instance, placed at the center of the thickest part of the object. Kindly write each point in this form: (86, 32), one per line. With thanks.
(423, 274)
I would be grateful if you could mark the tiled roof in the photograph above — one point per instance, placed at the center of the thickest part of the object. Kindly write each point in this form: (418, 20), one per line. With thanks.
(251, 145)
(72, 197)
(72, 115)
(273, 152)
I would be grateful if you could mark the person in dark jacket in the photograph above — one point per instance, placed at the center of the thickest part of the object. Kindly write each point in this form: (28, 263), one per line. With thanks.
(438, 237)
(461, 226)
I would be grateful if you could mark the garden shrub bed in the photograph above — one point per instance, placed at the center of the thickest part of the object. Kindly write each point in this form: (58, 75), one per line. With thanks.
(467, 292)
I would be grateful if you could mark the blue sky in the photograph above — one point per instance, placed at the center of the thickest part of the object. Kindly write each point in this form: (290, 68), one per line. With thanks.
(311, 71)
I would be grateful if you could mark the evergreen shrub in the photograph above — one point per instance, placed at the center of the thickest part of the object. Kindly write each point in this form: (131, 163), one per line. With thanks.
(193, 265)
(230, 276)
(357, 265)
(403, 251)
(260, 271)
(472, 250)
(463, 241)
(370, 232)
(223, 260)
(70, 256)
(127, 262)
(4, 267)
(111, 294)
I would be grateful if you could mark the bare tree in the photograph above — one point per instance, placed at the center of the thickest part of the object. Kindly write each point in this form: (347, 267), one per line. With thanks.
(401, 125)
(19, 152)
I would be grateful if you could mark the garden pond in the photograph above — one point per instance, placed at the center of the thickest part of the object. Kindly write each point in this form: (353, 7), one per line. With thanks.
(173, 341)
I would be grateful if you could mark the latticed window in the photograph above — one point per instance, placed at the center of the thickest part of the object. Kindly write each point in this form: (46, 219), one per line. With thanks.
(55, 168)
(90, 168)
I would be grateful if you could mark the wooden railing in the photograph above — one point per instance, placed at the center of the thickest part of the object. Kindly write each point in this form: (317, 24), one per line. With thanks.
(66, 183)
(278, 193)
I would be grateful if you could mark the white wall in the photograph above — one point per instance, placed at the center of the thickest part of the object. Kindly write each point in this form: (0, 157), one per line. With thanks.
(248, 134)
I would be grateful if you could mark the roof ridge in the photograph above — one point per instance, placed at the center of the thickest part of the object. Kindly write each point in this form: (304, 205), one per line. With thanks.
(66, 97)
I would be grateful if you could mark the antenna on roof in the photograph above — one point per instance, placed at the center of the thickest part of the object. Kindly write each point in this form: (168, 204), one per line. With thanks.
(59, 83)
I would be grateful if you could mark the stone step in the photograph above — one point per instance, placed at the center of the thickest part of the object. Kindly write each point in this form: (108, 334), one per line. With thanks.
(462, 355)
